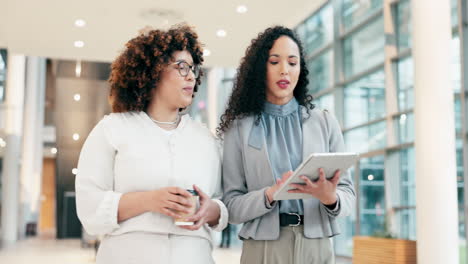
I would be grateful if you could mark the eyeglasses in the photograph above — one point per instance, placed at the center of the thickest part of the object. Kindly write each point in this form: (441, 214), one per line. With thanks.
(184, 68)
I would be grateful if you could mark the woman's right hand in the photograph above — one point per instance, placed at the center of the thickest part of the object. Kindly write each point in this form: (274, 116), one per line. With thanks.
(271, 190)
(170, 201)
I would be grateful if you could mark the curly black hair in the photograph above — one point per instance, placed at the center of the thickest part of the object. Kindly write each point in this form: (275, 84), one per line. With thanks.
(137, 70)
(249, 92)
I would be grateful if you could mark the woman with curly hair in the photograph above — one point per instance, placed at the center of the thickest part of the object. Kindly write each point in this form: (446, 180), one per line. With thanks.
(269, 126)
(137, 163)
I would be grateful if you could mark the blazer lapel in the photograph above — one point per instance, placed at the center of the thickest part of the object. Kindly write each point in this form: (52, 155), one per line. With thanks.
(258, 151)
(306, 136)
(256, 136)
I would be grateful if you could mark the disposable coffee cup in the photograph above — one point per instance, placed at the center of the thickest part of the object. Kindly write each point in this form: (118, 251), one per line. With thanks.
(182, 220)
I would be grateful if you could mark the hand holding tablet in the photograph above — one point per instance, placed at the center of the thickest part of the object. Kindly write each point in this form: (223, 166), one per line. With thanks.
(329, 162)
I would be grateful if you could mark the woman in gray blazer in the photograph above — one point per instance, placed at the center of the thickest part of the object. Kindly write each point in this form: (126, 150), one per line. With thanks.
(270, 125)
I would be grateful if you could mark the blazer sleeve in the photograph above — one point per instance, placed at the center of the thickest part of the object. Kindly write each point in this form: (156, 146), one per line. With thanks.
(345, 190)
(243, 205)
(96, 202)
(223, 212)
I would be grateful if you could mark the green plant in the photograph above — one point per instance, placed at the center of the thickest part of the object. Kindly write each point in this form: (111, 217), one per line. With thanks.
(385, 232)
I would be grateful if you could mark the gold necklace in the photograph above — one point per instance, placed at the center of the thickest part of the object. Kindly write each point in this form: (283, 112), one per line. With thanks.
(164, 123)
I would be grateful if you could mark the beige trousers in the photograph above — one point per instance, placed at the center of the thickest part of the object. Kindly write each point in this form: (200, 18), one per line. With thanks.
(291, 248)
(150, 248)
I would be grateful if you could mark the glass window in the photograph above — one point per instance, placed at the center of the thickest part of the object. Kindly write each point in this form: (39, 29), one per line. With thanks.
(368, 138)
(356, 11)
(455, 75)
(317, 30)
(225, 89)
(405, 128)
(364, 99)
(406, 219)
(400, 169)
(405, 75)
(301, 32)
(364, 49)
(372, 201)
(320, 72)
(228, 238)
(403, 25)
(2, 74)
(327, 102)
(1, 195)
(344, 242)
(461, 193)
(458, 115)
(199, 108)
(455, 63)
(460, 185)
(454, 16)
(408, 194)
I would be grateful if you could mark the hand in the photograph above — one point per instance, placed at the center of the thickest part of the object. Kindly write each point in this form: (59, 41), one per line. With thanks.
(208, 212)
(271, 190)
(170, 201)
(322, 189)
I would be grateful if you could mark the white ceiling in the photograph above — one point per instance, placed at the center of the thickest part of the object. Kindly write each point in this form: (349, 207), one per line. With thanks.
(46, 27)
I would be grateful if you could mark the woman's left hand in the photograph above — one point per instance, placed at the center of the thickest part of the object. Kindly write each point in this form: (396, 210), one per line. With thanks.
(322, 189)
(208, 212)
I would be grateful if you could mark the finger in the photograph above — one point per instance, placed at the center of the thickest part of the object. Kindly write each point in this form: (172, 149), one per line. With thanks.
(180, 200)
(199, 214)
(321, 175)
(196, 217)
(170, 213)
(177, 207)
(195, 226)
(336, 173)
(296, 186)
(286, 175)
(200, 192)
(188, 227)
(296, 191)
(308, 182)
(336, 177)
(180, 191)
(199, 224)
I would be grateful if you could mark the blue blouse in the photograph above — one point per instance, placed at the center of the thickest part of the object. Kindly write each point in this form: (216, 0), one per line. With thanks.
(283, 131)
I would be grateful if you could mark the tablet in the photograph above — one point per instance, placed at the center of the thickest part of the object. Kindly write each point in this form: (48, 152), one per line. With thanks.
(330, 162)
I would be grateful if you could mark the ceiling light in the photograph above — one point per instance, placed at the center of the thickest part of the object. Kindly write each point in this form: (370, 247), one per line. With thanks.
(53, 150)
(78, 44)
(221, 33)
(370, 177)
(206, 52)
(74, 171)
(77, 97)
(242, 9)
(2, 144)
(80, 23)
(76, 136)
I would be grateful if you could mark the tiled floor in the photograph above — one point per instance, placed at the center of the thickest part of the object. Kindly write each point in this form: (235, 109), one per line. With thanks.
(69, 251)
(47, 251)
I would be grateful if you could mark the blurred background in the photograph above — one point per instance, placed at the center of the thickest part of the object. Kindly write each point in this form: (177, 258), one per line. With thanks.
(54, 65)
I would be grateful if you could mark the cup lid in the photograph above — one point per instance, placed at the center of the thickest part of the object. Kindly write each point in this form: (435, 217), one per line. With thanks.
(193, 192)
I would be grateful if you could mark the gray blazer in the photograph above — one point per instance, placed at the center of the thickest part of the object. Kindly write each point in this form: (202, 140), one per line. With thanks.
(247, 174)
